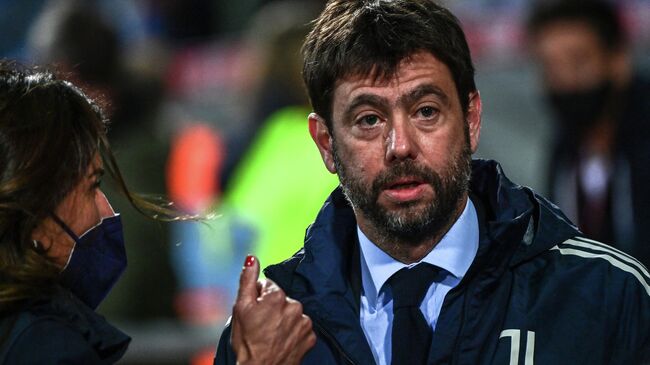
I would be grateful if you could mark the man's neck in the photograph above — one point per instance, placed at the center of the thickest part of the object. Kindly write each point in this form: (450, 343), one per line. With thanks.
(407, 251)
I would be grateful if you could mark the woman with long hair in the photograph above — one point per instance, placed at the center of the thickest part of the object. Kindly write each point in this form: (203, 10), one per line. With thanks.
(61, 243)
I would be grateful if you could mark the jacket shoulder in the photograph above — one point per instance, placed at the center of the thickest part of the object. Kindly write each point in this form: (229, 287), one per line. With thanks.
(56, 343)
(64, 330)
(283, 273)
(598, 290)
(602, 259)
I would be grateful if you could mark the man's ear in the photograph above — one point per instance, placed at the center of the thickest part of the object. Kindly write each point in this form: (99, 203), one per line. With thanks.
(474, 119)
(323, 139)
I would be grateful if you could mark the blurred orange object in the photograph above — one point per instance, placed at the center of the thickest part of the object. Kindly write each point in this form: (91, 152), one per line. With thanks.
(204, 357)
(195, 160)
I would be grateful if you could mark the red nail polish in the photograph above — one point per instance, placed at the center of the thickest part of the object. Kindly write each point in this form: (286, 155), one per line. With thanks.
(250, 261)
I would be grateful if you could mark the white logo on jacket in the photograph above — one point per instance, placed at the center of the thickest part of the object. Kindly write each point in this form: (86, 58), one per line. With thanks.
(515, 346)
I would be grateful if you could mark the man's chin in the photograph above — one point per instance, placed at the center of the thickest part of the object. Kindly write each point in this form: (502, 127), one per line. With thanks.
(410, 214)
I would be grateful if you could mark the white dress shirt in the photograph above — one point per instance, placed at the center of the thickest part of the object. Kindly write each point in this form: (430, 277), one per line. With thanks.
(453, 254)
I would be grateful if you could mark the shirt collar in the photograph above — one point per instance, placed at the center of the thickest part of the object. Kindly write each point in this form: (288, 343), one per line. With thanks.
(454, 253)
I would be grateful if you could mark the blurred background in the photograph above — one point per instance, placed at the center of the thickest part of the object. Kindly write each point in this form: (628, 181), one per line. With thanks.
(208, 108)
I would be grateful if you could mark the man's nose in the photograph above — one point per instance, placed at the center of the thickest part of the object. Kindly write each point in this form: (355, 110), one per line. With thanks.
(400, 142)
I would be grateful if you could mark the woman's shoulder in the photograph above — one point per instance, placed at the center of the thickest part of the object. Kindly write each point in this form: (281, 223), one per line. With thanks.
(58, 330)
(37, 339)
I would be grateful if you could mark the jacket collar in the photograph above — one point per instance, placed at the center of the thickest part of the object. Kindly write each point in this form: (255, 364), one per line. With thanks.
(516, 214)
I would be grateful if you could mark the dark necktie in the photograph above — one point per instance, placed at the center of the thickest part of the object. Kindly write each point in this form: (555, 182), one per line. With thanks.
(411, 336)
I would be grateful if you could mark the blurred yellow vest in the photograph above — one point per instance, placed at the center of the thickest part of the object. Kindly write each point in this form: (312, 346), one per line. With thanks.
(280, 185)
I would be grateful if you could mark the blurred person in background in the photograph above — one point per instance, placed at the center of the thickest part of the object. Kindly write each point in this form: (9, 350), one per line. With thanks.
(600, 164)
(85, 43)
(61, 244)
(262, 211)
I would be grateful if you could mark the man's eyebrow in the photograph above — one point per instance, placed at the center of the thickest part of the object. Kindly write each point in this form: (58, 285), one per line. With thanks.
(364, 99)
(421, 91)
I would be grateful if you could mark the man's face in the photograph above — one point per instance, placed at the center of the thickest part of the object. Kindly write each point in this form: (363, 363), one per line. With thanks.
(402, 148)
(572, 57)
(579, 72)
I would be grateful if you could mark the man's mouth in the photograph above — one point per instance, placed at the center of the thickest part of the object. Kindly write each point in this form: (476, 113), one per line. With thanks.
(405, 190)
(404, 184)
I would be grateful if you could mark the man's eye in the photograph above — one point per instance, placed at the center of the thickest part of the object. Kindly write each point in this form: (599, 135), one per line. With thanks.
(369, 120)
(427, 112)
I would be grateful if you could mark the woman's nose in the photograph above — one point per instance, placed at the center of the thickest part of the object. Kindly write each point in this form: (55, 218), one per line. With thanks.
(103, 206)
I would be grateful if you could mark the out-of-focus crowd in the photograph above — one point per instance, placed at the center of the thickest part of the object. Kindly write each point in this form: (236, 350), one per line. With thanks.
(208, 108)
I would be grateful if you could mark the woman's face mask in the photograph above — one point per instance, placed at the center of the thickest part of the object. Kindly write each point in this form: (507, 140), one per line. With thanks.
(97, 261)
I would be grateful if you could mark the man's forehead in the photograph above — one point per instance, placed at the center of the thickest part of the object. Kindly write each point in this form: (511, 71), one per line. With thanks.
(570, 39)
(415, 66)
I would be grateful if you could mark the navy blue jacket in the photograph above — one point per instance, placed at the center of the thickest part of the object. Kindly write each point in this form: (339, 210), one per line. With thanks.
(59, 329)
(537, 293)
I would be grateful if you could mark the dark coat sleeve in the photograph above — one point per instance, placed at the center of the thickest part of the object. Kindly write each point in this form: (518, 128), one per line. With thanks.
(631, 321)
(225, 355)
(51, 342)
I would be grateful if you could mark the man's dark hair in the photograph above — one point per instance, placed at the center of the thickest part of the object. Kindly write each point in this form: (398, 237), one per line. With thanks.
(364, 37)
(601, 16)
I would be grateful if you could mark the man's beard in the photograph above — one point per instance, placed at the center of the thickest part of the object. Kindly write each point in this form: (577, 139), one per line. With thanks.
(410, 222)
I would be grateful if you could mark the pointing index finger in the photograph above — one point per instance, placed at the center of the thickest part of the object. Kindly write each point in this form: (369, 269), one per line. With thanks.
(248, 291)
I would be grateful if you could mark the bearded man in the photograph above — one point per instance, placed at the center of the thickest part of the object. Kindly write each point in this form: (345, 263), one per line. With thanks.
(423, 256)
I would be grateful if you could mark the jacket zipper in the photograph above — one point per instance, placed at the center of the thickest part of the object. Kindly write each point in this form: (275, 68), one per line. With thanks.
(333, 342)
